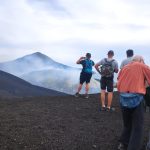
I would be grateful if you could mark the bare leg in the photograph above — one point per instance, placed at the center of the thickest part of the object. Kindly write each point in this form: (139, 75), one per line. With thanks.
(103, 98)
(87, 88)
(110, 96)
(79, 88)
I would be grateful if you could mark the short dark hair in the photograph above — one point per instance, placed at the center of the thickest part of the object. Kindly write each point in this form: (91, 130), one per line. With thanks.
(129, 53)
(88, 55)
(111, 52)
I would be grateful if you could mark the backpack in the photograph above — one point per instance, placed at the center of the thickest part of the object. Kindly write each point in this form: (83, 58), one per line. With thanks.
(107, 69)
(147, 96)
(88, 66)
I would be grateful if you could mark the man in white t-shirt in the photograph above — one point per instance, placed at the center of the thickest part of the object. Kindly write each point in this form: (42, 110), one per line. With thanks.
(106, 81)
(130, 54)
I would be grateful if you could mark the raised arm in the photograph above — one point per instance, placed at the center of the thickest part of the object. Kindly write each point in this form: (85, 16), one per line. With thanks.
(79, 60)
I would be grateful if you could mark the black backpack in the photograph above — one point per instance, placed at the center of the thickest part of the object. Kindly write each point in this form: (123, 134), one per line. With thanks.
(147, 96)
(107, 69)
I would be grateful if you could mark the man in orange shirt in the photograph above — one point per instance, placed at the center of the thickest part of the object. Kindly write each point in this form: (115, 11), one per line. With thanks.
(131, 85)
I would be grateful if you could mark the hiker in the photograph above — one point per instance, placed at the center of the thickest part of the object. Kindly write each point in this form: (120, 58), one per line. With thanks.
(86, 73)
(129, 54)
(131, 85)
(107, 68)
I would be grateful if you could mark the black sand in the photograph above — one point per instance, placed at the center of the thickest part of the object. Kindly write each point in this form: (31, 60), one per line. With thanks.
(60, 123)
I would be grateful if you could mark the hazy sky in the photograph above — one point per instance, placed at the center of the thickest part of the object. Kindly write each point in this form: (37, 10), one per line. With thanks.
(67, 29)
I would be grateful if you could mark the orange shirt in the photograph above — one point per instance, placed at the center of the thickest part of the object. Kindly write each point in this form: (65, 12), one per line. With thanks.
(132, 78)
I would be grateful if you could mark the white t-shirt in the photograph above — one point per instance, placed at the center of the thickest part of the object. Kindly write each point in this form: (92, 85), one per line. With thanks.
(125, 62)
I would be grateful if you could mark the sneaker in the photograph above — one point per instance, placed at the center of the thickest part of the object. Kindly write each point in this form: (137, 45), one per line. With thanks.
(86, 96)
(103, 109)
(121, 147)
(110, 109)
(77, 94)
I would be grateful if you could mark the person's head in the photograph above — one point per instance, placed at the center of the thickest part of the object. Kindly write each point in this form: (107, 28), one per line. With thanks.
(129, 53)
(138, 58)
(110, 53)
(88, 55)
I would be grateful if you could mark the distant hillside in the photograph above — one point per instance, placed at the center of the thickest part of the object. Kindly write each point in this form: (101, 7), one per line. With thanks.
(29, 63)
(43, 71)
(11, 85)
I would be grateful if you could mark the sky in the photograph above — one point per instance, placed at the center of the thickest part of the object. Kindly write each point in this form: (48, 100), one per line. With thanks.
(67, 29)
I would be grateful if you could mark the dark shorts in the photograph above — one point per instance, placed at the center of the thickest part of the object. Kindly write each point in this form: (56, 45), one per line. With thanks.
(85, 77)
(107, 82)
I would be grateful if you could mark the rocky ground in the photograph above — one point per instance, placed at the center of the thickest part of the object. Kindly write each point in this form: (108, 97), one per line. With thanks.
(60, 123)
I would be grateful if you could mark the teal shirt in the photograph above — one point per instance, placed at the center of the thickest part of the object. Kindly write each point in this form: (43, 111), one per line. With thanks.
(87, 65)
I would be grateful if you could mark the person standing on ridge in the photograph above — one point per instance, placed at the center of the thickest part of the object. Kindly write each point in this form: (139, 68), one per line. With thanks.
(130, 54)
(86, 73)
(107, 68)
(131, 87)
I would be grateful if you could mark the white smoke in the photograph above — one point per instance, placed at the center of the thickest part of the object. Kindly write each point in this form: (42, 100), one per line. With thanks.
(41, 70)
